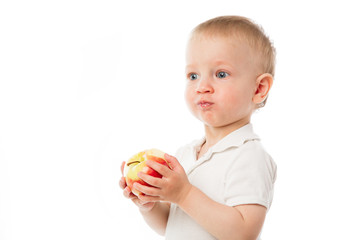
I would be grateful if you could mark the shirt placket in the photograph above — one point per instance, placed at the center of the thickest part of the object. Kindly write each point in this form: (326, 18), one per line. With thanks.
(206, 157)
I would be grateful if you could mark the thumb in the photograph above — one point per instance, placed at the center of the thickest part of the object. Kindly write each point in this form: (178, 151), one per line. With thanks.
(122, 168)
(172, 161)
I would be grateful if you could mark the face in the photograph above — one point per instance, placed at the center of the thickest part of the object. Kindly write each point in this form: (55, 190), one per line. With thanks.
(221, 81)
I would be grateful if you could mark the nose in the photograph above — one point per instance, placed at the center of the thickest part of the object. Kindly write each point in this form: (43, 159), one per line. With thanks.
(204, 86)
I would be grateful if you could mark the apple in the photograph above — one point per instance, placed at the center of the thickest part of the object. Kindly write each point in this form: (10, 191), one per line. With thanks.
(137, 163)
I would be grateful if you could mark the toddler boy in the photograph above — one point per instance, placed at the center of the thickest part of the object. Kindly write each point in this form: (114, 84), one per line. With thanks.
(224, 185)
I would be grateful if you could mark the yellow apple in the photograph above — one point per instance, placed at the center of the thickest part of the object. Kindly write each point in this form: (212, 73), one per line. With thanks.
(137, 163)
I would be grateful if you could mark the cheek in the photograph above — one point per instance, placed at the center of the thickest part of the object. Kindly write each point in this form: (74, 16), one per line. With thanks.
(188, 100)
(189, 96)
(232, 99)
(236, 100)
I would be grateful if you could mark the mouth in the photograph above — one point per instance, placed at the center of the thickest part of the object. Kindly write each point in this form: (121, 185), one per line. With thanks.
(204, 104)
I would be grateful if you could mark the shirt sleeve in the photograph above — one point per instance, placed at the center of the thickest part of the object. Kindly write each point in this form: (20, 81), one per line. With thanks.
(251, 177)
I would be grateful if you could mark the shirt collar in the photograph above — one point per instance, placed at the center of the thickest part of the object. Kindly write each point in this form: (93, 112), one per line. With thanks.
(233, 139)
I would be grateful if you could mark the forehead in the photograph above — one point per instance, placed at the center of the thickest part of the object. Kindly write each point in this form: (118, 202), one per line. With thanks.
(217, 49)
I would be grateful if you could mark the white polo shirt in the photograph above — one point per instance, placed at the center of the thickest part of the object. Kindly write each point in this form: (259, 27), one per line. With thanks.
(236, 170)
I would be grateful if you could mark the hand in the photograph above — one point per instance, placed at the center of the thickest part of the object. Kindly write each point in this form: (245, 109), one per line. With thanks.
(174, 185)
(143, 205)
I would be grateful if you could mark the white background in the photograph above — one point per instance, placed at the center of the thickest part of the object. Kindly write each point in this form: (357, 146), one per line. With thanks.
(86, 84)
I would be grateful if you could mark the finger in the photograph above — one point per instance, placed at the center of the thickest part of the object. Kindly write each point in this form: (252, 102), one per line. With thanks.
(146, 198)
(153, 181)
(142, 201)
(162, 169)
(128, 194)
(122, 168)
(173, 162)
(147, 205)
(150, 191)
(122, 183)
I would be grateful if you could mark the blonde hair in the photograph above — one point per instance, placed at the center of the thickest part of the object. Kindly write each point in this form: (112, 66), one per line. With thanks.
(244, 29)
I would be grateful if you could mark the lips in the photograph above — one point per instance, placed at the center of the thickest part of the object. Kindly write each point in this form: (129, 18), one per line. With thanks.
(204, 104)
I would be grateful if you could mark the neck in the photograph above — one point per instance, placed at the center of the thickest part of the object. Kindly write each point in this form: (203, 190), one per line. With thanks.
(215, 134)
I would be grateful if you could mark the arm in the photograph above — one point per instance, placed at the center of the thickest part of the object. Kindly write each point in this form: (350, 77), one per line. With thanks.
(222, 221)
(155, 214)
(157, 217)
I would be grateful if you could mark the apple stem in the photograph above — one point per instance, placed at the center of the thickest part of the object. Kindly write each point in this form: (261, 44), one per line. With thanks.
(128, 164)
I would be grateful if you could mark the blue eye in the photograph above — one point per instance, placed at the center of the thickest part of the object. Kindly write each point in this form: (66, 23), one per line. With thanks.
(193, 76)
(222, 74)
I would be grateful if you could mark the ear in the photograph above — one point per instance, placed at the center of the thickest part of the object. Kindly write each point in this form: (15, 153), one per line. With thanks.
(263, 86)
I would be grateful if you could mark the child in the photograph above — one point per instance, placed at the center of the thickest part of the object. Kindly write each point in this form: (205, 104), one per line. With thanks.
(224, 185)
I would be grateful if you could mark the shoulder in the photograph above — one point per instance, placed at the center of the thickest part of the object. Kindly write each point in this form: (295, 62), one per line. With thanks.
(250, 178)
(253, 152)
(251, 157)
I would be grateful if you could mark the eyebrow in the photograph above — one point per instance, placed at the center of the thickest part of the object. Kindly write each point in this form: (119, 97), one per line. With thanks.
(189, 66)
(218, 62)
